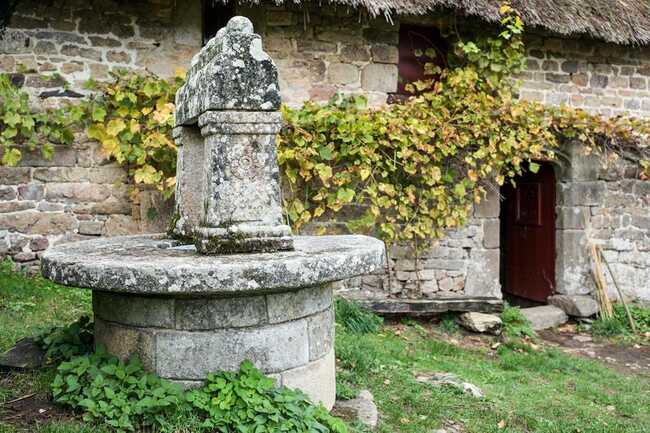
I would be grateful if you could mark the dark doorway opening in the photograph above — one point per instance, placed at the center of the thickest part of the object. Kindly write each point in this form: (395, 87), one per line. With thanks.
(528, 237)
(215, 15)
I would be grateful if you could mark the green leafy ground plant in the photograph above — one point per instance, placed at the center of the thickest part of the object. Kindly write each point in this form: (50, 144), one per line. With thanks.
(62, 343)
(515, 324)
(121, 395)
(248, 401)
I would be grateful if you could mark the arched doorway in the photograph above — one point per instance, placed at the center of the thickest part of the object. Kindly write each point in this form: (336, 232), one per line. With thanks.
(528, 236)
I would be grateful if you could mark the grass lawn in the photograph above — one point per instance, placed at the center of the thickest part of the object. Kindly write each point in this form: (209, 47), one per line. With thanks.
(526, 390)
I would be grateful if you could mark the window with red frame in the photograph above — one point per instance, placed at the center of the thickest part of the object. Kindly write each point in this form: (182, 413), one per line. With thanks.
(411, 40)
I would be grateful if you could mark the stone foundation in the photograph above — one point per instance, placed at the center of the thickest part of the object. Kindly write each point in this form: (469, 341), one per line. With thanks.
(288, 335)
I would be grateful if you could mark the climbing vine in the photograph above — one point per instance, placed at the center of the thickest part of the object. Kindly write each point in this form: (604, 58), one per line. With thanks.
(417, 168)
(132, 117)
(22, 128)
(414, 169)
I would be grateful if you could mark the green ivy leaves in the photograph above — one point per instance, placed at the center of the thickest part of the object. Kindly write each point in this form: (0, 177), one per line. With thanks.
(22, 128)
(132, 118)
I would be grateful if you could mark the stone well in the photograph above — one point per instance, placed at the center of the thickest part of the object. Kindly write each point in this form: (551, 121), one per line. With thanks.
(230, 282)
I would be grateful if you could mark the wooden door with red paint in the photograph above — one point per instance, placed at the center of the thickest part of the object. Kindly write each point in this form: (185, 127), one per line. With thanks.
(528, 235)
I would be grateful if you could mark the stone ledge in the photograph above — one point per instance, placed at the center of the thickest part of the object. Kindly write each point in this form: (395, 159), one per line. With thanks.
(203, 314)
(424, 307)
(155, 265)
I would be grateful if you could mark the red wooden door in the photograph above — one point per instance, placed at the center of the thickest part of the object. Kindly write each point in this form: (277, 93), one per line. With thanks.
(528, 235)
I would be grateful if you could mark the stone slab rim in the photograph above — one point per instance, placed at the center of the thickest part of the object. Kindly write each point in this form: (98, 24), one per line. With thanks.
(158, 265)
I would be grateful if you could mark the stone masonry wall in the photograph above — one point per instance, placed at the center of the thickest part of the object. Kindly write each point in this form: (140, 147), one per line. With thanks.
(599, 77)
(327, 50)
(465, 264)
(319, 52)
(51, 49)
(610, 208)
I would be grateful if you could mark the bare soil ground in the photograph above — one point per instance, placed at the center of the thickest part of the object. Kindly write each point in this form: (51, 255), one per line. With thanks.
(624, 357)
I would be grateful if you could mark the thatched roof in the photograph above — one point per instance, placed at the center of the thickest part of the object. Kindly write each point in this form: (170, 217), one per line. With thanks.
(619, 21)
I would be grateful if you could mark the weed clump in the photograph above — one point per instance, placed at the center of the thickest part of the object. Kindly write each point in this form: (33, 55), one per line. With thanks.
(357, 319)
(515, 324)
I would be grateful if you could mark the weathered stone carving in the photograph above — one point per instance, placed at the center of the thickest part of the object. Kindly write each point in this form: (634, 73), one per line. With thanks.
(187, 314)
(228, 194)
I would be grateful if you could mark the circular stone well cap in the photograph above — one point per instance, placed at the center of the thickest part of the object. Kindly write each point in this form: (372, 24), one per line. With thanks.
(156, 265)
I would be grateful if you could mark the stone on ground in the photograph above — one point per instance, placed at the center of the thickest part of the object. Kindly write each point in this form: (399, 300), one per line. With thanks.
(575, 306)
(26, 354)
(362, 409)
(481, 322)
(450, 379)
(544, 317)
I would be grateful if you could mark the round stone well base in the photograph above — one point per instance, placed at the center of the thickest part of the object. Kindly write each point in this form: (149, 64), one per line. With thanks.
(289, 336)
(186, 315)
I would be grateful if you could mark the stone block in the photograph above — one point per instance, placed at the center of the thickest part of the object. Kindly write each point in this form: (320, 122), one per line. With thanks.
(491, 233)
(134, 310)
(581, 167)
(7, 193)
(572, 263)
(545, 317)
(124, 342)
(110, 206)
(383, 53)
(118, 57)
(192, 355)
(355, 53)
(119, 225)
(317, 379)
(483, 274)
(310, 45)
(31, 191)
(575, 306)
(571, 217)
(104, 41)
(342, 73)
(14, 175)
(378, 77)
(85, 192)
(481, 322)
(214, 313)
(292, 305)
(321, 333)
(581, 193)
(93, 228)
(16, 206)
(33, 222)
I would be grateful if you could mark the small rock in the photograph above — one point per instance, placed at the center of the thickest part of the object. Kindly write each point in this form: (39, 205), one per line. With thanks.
(582, 338)
(481, 322)
(575, 305)
(450, 379)
(544, 317)
(362, 408)
(26, 354)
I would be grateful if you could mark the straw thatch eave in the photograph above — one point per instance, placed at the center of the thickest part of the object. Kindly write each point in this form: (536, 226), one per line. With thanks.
(625, 22)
